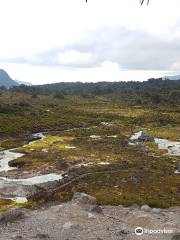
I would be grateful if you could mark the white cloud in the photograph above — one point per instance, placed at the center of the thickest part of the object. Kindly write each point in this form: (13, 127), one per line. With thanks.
(73, 57)
(29, 28)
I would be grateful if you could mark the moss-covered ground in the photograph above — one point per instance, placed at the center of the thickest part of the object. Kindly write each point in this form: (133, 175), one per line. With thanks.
(6, 204)
(113, 171)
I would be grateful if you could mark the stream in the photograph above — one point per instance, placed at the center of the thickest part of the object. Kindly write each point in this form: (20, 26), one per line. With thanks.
(16, 188)
(7, 184)
(172, 147)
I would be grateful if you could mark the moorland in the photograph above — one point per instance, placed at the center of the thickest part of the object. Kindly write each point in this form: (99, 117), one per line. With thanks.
(87, 128)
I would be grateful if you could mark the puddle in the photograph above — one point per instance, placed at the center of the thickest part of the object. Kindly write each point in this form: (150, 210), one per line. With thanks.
(18, 199)
(104, 163)
(95, 137)
(106, 123)
(70, 147)
(173, 147)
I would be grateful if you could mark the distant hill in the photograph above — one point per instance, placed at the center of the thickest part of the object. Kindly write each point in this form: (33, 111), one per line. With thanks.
(24, 83)
(177, 77)
(6, 80)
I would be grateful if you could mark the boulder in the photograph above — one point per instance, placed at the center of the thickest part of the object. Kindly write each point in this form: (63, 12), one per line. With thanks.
(145, 208)
(96, 209)
(176, 237)
(135, 179)
(156, 210)
(42, 236)
(12, 215)
(134, 206)
(84, 198)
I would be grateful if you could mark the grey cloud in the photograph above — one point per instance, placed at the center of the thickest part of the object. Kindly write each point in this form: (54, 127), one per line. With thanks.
(132, 50)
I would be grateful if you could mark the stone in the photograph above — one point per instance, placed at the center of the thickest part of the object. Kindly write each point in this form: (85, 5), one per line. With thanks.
(42, 236)
(90, 215)
(12, 215)
(135, 179)
(134, 206)
(176, 237)
(145, 208)
(84, 198)
(156, 210)
(67, 225)
(96, 209)
(124, 231)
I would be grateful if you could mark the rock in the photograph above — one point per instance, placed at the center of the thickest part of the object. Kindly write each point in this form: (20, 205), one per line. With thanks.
(12, 215)
(134, 206)
(34, 138)
(96, 209)
(156, 210)
(146, 208)
(135, 179)
(67, 225)
(42, 236)
(90, 215)
(124, 231)
(84, 198)
(176, 237)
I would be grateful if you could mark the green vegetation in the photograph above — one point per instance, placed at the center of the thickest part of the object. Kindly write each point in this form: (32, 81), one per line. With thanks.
(6, 204)
(167, 132)
(112, 170)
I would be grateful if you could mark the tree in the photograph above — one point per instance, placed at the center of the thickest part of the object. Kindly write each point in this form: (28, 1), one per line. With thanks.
(142, 1)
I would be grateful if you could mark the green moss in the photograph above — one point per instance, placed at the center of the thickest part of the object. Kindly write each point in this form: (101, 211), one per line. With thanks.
(111, 184)
(47, 143)
(6, 204)
(11, 143)
(168, 132)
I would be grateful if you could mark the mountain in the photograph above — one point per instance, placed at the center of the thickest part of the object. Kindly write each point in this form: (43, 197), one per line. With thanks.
(24, 83)
(177, 77)
(6, 80)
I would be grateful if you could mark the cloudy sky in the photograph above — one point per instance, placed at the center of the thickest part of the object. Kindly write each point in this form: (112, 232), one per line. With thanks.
(44, 41)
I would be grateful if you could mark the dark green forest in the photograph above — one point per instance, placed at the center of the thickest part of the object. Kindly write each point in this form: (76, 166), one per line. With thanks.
(153, 91)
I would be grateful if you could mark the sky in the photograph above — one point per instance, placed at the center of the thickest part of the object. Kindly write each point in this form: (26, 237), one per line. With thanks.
(46, 41)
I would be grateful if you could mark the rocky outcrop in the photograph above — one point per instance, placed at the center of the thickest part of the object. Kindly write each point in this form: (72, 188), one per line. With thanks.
(84, 198)
(82, 219)
(13, 214)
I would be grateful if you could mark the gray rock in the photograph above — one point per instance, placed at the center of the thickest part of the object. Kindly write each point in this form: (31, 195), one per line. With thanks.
(42, 236)
(84, 198)
(134, 206)
(136, 179)
(156, 210)
(146, 208)
(176, 237)
(96, 209)
(12, 215)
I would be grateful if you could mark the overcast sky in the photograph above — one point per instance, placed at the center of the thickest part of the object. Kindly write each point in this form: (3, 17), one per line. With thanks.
(45, 41)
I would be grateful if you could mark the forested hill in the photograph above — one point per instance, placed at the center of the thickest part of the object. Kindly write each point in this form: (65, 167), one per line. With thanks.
(153, 91)
(6, 80)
